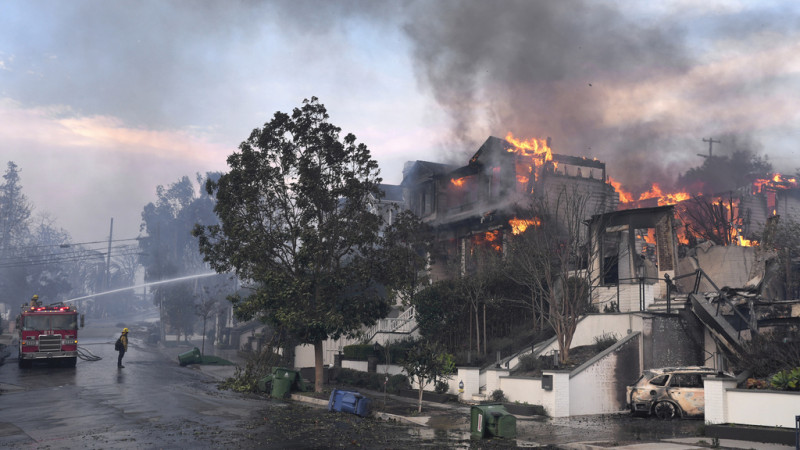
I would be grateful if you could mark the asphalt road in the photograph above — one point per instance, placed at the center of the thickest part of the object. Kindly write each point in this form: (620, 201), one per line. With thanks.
(155, 403)
(151, 403)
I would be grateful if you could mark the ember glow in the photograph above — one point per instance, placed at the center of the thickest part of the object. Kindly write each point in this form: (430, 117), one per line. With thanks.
(458, 182)
(490, 239)
(518, 226)
(777, 181)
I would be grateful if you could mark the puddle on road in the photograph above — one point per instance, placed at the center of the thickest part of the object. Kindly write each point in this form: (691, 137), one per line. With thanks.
(448, 423)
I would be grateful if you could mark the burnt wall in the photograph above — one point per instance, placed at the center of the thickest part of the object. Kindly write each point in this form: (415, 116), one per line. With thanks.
(626, 371)
(672, 340)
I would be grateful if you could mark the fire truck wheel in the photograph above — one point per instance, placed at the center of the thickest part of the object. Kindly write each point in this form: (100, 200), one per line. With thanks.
(70, 362)
(25, 363)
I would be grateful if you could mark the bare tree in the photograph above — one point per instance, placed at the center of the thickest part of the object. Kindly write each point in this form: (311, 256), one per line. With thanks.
(550, 260)
(719, 220)
(477, 275)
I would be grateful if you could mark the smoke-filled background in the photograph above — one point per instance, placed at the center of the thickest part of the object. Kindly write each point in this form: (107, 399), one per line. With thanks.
(100, 102)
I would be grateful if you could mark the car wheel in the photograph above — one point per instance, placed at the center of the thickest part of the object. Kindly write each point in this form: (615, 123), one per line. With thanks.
(665, 410)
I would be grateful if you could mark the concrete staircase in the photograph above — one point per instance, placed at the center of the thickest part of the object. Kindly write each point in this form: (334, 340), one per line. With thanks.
(678, 302)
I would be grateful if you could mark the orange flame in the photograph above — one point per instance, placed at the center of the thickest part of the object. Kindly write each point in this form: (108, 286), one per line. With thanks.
(664, 199)
(458, 182)
(537, 148)
(518, 226)
(624, 196)
(777, 181)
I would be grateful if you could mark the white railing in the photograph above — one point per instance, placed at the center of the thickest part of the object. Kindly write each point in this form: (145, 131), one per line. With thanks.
(404, 323)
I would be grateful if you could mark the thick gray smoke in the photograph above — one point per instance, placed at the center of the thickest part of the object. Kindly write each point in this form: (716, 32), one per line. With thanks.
(542, 68)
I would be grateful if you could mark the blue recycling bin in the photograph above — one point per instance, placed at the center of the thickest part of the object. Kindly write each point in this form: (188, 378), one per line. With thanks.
(349, 402)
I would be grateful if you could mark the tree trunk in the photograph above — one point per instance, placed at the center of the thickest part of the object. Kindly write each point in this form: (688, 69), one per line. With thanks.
(485, 336)
(477, 331)
(203, 345)
(318, 372)
(419, 404)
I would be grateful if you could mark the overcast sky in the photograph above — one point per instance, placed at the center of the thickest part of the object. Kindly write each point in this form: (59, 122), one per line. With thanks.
(101, 101)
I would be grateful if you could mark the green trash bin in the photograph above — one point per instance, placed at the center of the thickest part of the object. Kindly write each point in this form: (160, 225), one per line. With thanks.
(265, 384)
(492, 420)
(281, 387)
(191, 357)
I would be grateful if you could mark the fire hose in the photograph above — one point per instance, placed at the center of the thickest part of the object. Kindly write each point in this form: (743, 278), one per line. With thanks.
(86, 355)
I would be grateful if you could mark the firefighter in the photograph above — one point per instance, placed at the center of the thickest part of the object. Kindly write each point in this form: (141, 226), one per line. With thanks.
(123, 339)
(35, 300)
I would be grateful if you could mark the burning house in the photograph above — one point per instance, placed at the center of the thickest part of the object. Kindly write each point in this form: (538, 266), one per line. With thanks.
(491, 197)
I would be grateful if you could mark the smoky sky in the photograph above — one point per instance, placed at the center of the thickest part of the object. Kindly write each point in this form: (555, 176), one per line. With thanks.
(545, 68)
(135, 94)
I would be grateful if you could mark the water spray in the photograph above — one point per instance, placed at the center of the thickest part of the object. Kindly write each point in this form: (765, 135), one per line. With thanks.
(152, 283)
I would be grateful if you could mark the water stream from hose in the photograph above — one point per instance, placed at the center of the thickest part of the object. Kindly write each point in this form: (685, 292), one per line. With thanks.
(152, 283)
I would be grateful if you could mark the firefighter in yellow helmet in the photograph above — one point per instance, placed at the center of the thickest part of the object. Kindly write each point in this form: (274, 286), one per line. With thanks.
(35, 300)
(122, 347)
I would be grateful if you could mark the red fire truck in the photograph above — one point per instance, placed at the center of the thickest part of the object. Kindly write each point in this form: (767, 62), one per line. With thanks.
(48, 333)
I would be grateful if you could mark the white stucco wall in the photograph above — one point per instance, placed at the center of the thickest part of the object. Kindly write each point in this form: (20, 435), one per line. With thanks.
(593, 391)
(593, 325)
(362, 366)
(716, 398)
(471, 376)
(492, 379)
(557, 401)
(522, 389)
(764, 408)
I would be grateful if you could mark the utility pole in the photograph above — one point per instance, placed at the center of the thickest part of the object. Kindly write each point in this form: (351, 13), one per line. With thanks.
(108, 257)
(711, 142)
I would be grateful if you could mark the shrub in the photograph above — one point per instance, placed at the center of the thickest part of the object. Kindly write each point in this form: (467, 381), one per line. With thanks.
(604, 341)
(498, 395)
(442, 387)
(358, 352)
(786, 380)
(529, 363)
(398, 383)
(373, 381)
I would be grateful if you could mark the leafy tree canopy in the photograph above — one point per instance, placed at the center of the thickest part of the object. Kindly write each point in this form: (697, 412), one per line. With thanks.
(295, 220)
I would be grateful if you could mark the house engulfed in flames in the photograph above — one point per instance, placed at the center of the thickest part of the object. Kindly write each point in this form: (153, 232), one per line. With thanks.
(635, 245)
(481, 203)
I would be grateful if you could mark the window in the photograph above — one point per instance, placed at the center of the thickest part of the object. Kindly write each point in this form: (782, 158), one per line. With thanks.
(687, 380)
(660, 381)
(51, 322)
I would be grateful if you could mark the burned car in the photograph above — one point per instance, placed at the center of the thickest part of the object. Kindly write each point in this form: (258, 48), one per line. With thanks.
(669, 392)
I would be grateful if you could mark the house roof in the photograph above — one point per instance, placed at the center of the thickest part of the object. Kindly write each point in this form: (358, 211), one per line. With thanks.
(414, 170)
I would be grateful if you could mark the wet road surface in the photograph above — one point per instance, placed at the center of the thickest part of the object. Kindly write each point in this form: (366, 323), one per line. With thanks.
(152, 402)
(155, 403)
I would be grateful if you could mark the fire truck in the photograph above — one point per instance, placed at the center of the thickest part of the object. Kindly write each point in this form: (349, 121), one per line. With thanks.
(48, 333)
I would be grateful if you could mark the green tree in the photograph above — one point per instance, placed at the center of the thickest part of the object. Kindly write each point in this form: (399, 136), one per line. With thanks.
(296, 221)
(424, 363)
(404, 252)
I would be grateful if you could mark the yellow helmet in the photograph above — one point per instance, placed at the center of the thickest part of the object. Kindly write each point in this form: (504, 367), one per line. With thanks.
(35, 297)
(124, 330)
